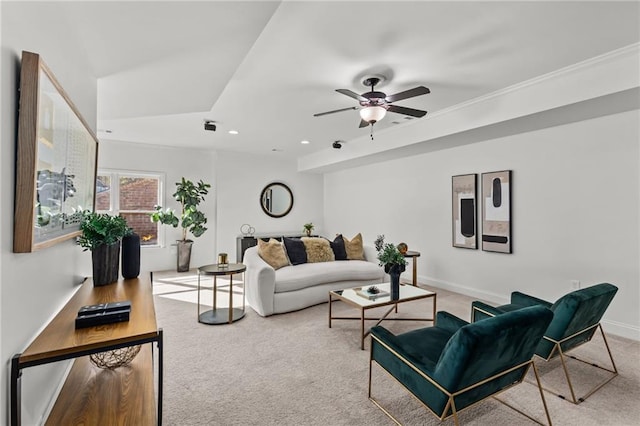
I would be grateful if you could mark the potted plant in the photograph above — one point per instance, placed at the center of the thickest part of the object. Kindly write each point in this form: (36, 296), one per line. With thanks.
(192, 220)
(308, 228)
(393, 262)
(102, 233)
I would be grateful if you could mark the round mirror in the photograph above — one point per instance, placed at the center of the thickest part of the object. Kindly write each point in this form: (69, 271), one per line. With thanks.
(276, 199)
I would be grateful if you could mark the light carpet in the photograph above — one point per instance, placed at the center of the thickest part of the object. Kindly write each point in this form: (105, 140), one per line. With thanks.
(292, 369)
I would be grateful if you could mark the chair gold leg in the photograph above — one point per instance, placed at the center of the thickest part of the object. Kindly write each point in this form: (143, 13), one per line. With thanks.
(613, 364)
(454, 412)
(566, 375)
(370, 366)
(544, 402)
(565, 369)
(385, 411)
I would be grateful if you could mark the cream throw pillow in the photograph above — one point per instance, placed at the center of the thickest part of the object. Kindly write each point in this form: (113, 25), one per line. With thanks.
(354, 248)
(273, 253)
(318, 250)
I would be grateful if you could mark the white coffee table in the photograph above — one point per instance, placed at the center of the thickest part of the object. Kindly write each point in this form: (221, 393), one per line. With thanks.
(359, 299)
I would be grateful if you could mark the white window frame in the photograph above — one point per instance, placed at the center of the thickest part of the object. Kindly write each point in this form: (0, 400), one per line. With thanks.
(114, 198)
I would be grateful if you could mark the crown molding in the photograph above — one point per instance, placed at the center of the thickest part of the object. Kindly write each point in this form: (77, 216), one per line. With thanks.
(630, 51)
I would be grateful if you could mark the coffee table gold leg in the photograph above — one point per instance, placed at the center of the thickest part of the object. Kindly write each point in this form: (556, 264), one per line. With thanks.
(329, 310)
(230, 299)
(434, 309)
(415, 271)
(362, 329)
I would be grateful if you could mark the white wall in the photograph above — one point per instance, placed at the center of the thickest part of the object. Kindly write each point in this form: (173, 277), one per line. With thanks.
(575, 213)
(174, 163)
(236, 183)
(240, 179)
(34, 286)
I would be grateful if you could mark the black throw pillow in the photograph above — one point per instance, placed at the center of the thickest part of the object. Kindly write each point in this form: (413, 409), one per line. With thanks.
(337, 245)
(295, 250)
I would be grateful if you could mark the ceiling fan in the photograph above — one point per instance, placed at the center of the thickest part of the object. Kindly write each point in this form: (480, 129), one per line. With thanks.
(374, 105)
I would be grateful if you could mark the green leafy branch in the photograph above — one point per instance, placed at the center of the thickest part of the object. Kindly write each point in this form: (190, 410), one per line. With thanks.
(189, 195)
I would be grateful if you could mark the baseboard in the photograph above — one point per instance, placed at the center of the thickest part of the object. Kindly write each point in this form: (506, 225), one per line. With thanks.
(485, 296)
(610, 327)
(622, 330)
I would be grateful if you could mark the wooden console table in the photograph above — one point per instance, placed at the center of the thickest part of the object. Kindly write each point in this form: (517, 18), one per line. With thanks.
(91, 395)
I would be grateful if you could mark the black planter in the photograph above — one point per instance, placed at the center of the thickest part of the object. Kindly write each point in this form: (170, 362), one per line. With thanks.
(395, 286)
(106, 264)
(184, 255)
(131, 256)
(394, 272)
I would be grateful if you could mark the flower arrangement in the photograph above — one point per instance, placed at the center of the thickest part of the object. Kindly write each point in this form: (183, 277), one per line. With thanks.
(389, 256)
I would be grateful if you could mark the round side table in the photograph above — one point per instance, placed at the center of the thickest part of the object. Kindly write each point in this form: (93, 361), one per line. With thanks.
(414, 255)
(221, 315)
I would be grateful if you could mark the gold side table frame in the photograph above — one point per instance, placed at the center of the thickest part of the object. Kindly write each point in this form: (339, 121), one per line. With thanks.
(221, 315)
(414, 255)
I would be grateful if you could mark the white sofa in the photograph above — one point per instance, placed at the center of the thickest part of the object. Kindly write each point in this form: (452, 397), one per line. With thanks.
(291, 288)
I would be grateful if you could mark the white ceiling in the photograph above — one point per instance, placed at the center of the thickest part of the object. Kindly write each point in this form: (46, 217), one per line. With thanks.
(264, 68)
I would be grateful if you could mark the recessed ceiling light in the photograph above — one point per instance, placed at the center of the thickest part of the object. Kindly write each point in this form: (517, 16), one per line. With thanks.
(304, 142)
(233, 132)
(276, 150)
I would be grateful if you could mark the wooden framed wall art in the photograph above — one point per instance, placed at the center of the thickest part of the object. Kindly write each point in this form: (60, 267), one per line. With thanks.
(463, 208)
(56, 158)
(496, 211)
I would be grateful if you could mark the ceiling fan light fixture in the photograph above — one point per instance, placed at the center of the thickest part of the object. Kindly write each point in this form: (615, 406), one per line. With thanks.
(372, 114)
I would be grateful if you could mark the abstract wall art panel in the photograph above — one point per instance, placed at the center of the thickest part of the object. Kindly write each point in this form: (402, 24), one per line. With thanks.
(463, 208)
(496, 211)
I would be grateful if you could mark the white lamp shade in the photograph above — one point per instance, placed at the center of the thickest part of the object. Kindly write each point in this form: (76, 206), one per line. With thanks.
(372, 114)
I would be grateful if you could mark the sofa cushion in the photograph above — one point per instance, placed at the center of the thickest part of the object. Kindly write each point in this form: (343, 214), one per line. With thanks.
(273, 253)
(337, 245)
(354, 248)
(295, 250)
(297, 277)
(318, 250)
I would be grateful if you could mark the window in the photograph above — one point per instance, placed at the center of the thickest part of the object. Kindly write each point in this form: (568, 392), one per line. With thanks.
(133, 196)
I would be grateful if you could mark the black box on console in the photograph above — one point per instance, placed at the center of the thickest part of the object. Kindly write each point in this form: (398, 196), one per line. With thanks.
(102, 317)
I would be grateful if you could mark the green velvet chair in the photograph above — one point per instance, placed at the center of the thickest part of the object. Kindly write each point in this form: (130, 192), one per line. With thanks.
(576, 318)
(454, 364)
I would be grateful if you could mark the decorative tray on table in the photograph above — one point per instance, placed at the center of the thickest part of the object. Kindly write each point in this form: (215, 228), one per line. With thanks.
(371, 292)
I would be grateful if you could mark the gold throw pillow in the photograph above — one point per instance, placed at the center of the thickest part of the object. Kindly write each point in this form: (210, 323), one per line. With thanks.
(273, 253)
(318, 250)
(354, 248)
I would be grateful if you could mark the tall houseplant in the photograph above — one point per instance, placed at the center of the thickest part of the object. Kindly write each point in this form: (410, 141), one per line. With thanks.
(192, 220)
(393, 262)
(102, 233)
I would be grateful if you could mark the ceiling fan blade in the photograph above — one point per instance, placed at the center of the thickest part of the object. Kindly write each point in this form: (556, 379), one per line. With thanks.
(363, 123)
(416, 91)
(406, 111)
(352, 94)
(320, 114)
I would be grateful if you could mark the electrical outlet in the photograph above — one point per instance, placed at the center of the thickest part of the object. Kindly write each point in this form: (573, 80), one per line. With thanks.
(575, 284)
